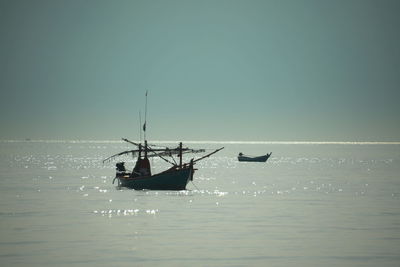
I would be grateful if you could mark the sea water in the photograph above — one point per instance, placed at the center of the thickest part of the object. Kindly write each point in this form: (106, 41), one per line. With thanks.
(313, 204)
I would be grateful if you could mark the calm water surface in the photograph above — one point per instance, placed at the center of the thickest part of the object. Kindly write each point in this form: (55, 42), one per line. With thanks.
(309, 205)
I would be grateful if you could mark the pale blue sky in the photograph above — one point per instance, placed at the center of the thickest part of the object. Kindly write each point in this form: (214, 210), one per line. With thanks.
(215, 70)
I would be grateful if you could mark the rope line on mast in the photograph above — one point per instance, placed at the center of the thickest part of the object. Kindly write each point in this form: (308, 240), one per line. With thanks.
(145, 118)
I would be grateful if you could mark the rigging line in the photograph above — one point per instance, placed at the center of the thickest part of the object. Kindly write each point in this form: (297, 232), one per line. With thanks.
(158, 146)
(120, 154)
(173, 159)
(160, 156)
(163, 158)
(195, 186)
(145, 118)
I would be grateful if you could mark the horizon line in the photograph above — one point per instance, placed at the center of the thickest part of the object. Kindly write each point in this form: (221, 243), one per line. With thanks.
(208, 142)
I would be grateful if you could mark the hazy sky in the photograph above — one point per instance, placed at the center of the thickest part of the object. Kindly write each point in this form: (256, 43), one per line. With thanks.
(215, 70)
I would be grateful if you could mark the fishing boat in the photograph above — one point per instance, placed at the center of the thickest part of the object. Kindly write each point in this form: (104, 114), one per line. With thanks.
(263, 158)
(174, 178)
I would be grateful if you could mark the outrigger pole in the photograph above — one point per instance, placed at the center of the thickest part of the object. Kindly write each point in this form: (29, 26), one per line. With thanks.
(206, 156)
(129, 141)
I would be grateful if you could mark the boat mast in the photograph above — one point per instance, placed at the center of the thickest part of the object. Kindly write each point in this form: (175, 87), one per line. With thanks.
(180, 155)
(145, 149)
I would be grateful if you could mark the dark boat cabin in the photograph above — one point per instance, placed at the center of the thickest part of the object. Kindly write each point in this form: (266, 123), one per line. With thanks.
(142, 168)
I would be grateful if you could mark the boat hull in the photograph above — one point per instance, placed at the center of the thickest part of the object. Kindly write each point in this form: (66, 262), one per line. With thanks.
(167, 180)
(254, 159)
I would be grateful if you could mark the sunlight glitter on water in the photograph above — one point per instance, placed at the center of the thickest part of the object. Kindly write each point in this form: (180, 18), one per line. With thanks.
(126, 212)
(328, 204)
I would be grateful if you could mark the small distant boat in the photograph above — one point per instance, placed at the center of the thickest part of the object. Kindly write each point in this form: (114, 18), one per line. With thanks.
(263, 158)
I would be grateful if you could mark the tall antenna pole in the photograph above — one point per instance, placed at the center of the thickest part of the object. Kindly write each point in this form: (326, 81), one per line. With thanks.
(140, 124)
(145, 118)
